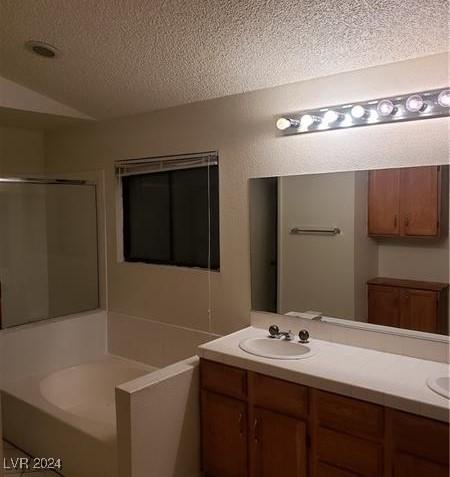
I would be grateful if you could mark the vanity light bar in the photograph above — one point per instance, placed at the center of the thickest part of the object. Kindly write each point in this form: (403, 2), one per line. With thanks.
(406, 107)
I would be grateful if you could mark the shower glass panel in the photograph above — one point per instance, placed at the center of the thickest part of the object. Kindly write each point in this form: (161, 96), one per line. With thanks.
(48, 251)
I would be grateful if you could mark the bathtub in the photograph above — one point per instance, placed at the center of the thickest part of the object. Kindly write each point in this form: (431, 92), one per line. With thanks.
(70, 414)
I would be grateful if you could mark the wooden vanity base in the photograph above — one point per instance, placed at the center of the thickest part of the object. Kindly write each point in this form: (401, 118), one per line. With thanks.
(258, 426)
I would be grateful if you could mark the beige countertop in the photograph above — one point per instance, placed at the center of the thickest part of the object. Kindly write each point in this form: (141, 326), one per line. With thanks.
(388, 379)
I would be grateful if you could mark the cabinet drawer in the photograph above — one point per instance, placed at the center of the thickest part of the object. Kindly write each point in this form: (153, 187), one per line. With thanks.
(278, 395)
(407, 465)
(360, 456)
(325, 470)
(349, 415)
(223, 379)
(421, 436)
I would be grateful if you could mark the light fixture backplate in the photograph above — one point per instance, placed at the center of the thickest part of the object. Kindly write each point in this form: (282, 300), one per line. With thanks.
(433, 110)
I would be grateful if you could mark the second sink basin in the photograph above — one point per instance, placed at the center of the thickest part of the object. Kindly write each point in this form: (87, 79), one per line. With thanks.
(276, 348)
(440, 385)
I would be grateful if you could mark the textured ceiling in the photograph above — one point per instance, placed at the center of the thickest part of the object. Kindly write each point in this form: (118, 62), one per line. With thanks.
(122, 57)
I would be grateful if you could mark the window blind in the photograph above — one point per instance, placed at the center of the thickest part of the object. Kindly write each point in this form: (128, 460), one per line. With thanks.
(132, 167)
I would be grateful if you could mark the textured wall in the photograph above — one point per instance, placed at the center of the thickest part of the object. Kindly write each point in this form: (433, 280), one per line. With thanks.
(241, 128)
(21, 151)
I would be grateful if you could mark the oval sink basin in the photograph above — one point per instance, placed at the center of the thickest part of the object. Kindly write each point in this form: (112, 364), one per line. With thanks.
(276, 348)
(440, 385)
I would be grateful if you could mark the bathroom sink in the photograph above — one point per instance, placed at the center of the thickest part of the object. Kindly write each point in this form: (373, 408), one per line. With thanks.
(276, 348)
(440, 385)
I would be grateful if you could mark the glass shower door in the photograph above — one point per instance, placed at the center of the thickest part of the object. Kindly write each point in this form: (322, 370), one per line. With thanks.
(48, 251)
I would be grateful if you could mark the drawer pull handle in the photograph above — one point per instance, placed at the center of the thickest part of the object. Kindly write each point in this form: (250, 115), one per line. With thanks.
(256, 429)
(241, 424)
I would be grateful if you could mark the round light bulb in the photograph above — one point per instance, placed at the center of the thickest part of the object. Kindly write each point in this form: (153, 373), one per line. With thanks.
(283, 123)
(415, 104)
(444, 98)
(307, 120)
(358, 112)
(332, 116)
(386, 107)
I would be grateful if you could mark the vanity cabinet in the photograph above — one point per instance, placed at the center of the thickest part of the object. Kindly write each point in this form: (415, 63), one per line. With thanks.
(348, 434)
(278, 431)
(260, 434)
(259, 426)
(418, 446)
(408, 202)
(224, 430)
(408, 304)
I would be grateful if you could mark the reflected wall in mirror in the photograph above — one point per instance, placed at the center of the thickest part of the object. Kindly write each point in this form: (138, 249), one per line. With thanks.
(368, 246)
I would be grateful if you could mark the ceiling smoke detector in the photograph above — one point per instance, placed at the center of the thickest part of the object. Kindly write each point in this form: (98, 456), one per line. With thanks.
(42, 49)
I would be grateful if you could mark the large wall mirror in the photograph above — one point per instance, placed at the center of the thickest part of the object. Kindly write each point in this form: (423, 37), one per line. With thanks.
(368, 246)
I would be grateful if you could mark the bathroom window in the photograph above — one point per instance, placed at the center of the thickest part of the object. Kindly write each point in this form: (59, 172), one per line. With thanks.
(171, 210)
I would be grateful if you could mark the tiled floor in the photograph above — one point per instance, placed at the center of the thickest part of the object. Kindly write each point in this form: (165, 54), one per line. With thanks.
(11, 455)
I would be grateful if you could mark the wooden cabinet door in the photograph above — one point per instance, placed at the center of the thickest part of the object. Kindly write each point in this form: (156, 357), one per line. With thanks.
(278, 445)
(419, 201)
(224, 436)
(384, 202)
(405, 465)
(419, 310)
(384, 307)
(325, 470)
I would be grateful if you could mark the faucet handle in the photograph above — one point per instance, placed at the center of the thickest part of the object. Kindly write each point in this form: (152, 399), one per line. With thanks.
(304, 336)
(274, 331)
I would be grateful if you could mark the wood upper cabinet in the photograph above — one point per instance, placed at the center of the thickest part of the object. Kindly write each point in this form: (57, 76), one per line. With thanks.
(408, 304)
(224, 436)
(384, 202)
(408, 202)
(419, 201)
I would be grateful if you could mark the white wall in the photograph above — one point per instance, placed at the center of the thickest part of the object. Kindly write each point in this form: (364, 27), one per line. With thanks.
(158, 423)
(319, 272)
(366, 249)
(54, 344)
(241, 128)
(17, 97)
(316, 271)
(21, 151)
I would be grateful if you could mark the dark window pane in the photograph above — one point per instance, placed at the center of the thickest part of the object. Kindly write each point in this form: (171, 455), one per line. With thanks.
(190, 217)
(214, 217)
(169, 218)
(146, 218)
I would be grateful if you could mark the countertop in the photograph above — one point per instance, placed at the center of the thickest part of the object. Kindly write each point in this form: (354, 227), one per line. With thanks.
(387, 379)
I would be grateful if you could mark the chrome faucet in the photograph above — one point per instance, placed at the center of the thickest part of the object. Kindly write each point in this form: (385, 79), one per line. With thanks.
(274, 332)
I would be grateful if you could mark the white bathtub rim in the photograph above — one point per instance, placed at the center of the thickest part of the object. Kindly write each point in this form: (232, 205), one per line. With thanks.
(52, 321)
(27, 389)
(158, 376)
